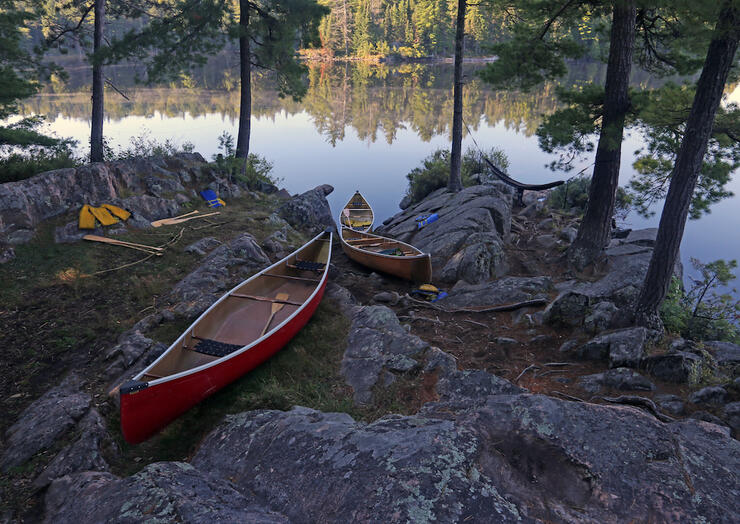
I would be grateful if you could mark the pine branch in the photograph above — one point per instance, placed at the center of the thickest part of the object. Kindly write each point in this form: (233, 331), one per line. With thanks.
(547, 25)
(74, 29)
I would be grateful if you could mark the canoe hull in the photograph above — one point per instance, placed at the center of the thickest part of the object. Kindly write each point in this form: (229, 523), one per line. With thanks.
(145, 412)
(362, 212)
(416, 269)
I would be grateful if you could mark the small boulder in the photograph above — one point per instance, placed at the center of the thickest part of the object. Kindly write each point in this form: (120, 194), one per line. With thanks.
(276, 243)
(673, 367)
(405, 203)
(219, 270)
(43, 422)
(709, 395)
(726, 354)
(569, 346)
(546, 241)
(161, 492)
(146, 208)
(505, 341)
(20, 236)
(568, 309)
(568, 234)
(343, 297)
(501, 291)
(70, 232)
(387, 297)
(732, 415)
(377, 341)
(620, 378)
(672, 404)
(471, 387)
(708, 417)
(131, 346)
(309, 211)
(203, 246)
(644, 237)
(600, 318)
(82, 455)
(532, 210)
(622, 348)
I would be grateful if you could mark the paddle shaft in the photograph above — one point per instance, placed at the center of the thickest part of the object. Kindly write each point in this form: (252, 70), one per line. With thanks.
(119, 244)
(162, 221)
(277, 306)
(172, 221)
(106, 240)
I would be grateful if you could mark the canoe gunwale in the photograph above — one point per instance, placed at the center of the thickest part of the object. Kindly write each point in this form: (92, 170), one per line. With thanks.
(319, 286)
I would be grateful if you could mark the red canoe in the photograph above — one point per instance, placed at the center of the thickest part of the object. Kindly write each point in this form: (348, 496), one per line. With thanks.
(236, 334)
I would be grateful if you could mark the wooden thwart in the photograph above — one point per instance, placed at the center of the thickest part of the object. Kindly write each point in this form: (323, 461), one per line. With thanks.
(360, 240)
(266, 299)
(291, 277)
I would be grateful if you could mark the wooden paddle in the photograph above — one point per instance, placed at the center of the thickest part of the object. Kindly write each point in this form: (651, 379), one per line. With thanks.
(276, 306)
(163, 221)
(171, 221)
(139, 247)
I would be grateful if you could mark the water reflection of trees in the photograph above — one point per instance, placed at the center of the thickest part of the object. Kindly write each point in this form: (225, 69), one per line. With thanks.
(373, 99)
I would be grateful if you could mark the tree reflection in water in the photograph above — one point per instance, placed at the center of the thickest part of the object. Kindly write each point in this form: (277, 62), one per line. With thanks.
(374, 99)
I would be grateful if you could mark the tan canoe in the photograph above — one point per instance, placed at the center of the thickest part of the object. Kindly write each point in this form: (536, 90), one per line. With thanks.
(387, 255)
(357, 214)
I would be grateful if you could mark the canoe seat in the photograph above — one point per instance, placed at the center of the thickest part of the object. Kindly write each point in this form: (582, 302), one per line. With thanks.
(214, 347)
(307, 265)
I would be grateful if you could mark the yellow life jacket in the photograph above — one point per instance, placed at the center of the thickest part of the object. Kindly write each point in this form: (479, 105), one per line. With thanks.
(103, 214)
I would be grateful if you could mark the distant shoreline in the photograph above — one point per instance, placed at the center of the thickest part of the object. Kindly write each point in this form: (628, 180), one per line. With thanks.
(394, 59)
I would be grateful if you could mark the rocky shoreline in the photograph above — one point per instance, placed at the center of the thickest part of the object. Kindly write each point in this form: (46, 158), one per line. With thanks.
(562, 413)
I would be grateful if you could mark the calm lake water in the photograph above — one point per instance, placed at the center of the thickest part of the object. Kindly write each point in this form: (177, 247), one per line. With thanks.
(359, 127)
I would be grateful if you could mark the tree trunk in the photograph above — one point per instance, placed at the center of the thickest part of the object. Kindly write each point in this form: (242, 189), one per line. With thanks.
(455, 182)
(96, 131)
(719, 60)
(245, 71)
(595, 228)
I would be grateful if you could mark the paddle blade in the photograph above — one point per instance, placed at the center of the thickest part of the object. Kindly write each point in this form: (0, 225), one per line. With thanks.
(274, 309)
(277, 306)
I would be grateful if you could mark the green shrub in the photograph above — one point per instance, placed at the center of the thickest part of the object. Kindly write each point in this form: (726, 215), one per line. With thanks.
(574, 194)
(434, 172)
(254, 172)
(702, 313)
(25, 151)
(19, 166)
(144, 145)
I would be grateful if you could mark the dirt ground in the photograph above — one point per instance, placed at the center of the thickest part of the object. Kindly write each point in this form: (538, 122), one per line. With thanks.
(534, 361)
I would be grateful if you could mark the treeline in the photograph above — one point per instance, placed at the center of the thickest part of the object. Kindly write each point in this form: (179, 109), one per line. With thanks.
(376, 100)
(417, 28)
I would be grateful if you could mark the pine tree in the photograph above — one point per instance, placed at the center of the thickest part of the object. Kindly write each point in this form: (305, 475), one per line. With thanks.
(187, 33)
(662, 37)
(455, 182)
(719, 59)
